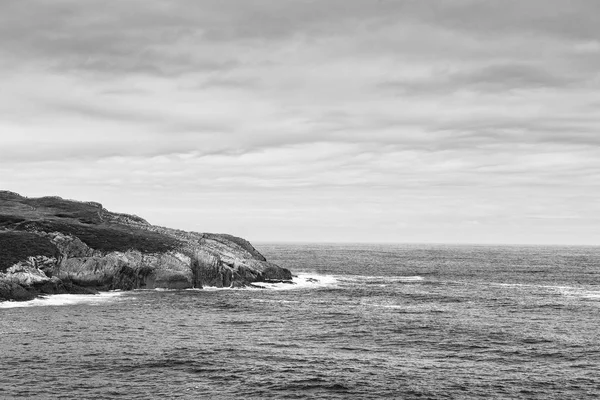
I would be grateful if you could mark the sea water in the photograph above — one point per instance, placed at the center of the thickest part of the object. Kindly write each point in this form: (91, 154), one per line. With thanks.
(362, 321)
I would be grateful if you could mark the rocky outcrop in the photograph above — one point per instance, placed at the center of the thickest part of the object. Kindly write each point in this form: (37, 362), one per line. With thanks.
(51, 245)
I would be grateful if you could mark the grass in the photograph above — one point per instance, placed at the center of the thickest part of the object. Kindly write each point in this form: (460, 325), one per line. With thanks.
(17, 246)
(96, 227)
(110, 237)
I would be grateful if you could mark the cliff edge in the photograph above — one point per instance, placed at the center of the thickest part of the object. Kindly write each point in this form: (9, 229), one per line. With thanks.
(51, 245)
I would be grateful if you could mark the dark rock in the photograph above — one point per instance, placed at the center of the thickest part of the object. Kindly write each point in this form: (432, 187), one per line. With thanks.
(14, 291)
(53, 286)
(274, 272)
(278, 281)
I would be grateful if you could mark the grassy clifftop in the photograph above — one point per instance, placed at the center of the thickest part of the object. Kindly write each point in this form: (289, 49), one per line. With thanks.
(22, 219)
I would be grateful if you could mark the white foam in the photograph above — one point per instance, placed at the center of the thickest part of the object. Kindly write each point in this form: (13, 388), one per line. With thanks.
(592, 296)
(309, 280)
(214, 288)
(383, 279)
(527, 285)
(581, 293)
(299, 281)
(405, 278)
(315, 280)
(63, 300)
(394, 306)
(302, 281)
(568, 291)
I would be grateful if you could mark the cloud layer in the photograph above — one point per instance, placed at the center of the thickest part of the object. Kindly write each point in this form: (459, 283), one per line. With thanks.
(438, 121)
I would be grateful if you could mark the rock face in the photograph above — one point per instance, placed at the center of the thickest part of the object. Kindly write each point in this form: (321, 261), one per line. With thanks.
(52, 245)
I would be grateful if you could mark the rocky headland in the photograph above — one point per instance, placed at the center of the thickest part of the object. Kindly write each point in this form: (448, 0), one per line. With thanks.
(50, 245)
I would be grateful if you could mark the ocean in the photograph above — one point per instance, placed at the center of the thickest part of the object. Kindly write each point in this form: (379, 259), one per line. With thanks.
(361, 322)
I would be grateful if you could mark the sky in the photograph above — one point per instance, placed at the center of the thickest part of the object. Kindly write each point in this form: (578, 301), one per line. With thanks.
(450, 121)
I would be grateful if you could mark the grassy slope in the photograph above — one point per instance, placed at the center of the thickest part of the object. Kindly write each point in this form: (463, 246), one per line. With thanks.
(17, 246)
(19, 216)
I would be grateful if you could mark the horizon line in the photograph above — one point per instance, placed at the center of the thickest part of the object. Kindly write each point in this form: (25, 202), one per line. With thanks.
(423, 243)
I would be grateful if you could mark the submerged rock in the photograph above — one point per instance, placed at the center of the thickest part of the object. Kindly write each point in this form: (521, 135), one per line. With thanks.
(52, 245)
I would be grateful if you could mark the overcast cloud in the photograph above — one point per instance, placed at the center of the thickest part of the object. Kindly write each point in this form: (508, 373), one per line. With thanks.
(331, 120)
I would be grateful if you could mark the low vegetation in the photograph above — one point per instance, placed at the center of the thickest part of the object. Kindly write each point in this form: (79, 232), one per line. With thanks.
(109, 237)
(21, 217)
(17, 246)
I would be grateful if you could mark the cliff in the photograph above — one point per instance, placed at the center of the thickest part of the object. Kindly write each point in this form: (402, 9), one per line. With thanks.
(52, 245)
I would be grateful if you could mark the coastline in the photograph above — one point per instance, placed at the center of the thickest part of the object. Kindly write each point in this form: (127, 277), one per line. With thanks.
(50, 245)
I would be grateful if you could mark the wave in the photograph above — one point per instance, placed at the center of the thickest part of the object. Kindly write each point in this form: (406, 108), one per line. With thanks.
(302, 281)
(562, 290)
(311, 280)
(581, 293)
(63, 300)
(299, 281)
(382, 279)
(523, 285)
